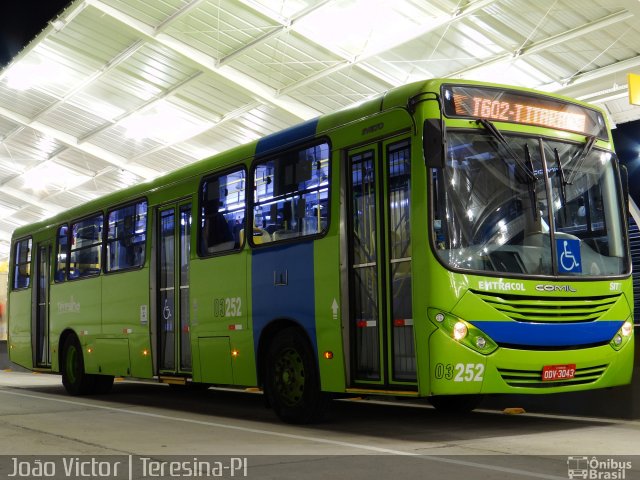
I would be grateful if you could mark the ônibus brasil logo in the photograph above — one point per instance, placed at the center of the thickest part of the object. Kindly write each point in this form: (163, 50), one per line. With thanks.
(597, 469)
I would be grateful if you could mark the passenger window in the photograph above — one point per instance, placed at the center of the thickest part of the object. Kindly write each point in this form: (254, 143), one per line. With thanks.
(62, 254)
(126, 237)
(222, 212)
(22, 269)
(86, 243)
(291, 197)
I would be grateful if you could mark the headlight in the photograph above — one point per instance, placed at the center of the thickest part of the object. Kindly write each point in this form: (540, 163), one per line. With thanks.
(462, 332)
(623, 335)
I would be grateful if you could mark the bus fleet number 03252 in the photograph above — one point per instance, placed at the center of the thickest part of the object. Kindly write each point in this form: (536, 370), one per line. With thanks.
(460, 372)
(227, 307)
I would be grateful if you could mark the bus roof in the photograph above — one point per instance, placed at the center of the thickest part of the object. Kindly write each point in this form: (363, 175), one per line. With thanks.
(393, 98)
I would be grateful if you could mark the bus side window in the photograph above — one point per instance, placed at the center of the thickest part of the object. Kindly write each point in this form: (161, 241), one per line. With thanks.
(62, 254)
(86, 245)
(222, 212)
(291, 197)
(22, 269)
(126, 237)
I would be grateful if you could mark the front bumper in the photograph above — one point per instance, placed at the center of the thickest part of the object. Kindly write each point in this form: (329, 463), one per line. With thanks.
(456, 369)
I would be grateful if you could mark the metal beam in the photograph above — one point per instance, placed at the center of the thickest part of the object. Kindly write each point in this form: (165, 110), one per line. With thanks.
(462, 12)
(599, 73)
(30, 199)
(255, 88)
(72, 141)
(542, 45)
(285, 24)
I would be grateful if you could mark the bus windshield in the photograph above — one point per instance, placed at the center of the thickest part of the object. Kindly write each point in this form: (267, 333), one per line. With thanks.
(528, 206)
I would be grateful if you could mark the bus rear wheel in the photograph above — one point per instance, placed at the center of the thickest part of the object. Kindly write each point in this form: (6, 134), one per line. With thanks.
(455, 403)
(292, 383)
(75, 380)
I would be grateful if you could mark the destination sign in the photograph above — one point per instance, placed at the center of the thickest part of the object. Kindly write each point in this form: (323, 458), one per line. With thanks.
(517, 107)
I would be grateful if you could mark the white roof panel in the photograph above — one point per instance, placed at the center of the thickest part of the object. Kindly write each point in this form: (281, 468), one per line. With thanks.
(118, 91)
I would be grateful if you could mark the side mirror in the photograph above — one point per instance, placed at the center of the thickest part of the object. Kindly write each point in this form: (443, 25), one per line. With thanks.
(624, 179)
(433, 142)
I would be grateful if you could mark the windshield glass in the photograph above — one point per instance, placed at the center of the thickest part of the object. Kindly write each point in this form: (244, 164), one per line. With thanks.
(531, 206)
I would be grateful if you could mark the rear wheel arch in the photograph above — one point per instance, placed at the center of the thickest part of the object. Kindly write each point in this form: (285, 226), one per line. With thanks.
(291, 376)
(72, 367)
(269, 333)
(61, 341)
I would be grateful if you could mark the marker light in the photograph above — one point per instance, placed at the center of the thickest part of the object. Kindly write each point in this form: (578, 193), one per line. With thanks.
(328, 355)
(627, 328)
(440, 317)
(617, 339)
(481, 342)
(234, 353)
(460, 331)
(145, 352)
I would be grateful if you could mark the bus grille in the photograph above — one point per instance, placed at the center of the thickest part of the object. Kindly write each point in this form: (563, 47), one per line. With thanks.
(545, 310)
(533, 378)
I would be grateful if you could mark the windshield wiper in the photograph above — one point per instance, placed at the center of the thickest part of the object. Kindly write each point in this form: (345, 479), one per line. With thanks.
(563, 181)
(586, 150)
(525, 169)
(490, 127)
(533, 195)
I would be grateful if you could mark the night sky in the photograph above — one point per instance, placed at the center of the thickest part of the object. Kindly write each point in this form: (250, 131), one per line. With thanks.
(21, 21)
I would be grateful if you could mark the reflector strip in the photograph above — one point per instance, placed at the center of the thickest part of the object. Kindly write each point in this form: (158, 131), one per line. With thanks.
(403, 322)
(235, 327)
(366, 323)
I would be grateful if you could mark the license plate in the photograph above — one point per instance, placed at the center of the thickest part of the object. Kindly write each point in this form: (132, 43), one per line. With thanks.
(552, 373)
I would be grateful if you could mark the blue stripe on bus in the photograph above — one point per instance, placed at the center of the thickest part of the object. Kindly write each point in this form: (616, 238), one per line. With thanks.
(286, 137)
(295, 301)
(549, 334)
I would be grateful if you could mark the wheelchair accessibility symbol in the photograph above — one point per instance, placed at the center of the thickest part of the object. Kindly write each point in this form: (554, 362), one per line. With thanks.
(569, 260)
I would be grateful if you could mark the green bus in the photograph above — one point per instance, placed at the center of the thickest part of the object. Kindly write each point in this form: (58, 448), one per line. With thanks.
(447, 239)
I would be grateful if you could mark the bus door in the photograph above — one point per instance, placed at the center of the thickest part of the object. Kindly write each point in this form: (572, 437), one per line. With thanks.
(41, 350)
(379, 238)
(173, 325)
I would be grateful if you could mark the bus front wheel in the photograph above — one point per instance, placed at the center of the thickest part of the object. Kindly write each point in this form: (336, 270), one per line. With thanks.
(292, 383)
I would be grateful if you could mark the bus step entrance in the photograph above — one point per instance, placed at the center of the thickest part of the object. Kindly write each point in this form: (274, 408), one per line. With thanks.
(173, 380)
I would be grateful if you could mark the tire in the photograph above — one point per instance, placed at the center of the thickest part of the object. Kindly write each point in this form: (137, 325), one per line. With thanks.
(451, 404)
(74, 378)
(292, 383)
